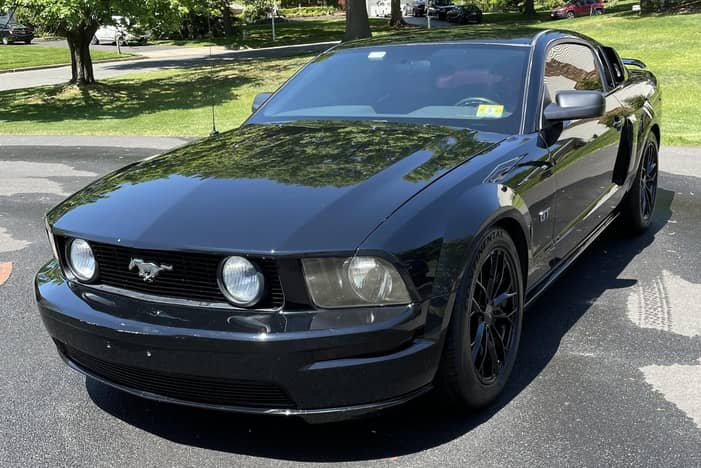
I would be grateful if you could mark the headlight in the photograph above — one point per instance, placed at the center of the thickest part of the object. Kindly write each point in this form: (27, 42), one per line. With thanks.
(81, 260)
(241, 281)
(351, 282)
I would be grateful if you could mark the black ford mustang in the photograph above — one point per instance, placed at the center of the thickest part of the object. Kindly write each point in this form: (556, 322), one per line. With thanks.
(359, 240)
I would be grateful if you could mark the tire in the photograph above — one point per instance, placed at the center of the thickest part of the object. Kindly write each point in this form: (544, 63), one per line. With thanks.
(463, 380)
(570, 14)
(638, 206)
(598, 12)
(94, 41)
(5, 41)
(28, 41)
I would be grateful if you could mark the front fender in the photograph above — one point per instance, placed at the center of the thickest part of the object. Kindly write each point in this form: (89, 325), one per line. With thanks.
(475, 211)
(433, 237)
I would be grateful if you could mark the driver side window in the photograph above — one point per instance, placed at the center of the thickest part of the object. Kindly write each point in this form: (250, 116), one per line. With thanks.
(570, 67)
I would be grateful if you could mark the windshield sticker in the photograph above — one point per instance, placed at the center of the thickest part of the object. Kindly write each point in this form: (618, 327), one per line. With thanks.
(490, 111)
(377, 55)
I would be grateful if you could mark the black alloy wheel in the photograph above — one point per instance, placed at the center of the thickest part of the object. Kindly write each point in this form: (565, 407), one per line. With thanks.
(485, 327)
(638, 206)
(648, 181)
(493, 310)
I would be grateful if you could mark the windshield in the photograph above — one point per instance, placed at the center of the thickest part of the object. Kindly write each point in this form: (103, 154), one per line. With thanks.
(473, 86)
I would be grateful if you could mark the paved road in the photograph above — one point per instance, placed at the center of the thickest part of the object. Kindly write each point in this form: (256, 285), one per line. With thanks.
(136, 49)
(609, 373)
(158, 60)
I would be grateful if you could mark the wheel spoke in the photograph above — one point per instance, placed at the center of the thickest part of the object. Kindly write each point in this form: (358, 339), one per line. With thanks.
(502, 273)
(650, 189)
(501, 315)
(492, 273)
(477, 308)
(500, 342)
(648, 202)
(479, 337)
(652, 170)
(483, 348)
(492, 350)
(483, 288)
(502, 298)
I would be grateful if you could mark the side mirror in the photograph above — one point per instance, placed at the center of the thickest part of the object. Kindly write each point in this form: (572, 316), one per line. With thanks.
(259, 100)
(571, 105)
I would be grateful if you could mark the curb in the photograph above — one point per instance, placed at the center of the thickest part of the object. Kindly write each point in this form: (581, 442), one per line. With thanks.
(59, 65)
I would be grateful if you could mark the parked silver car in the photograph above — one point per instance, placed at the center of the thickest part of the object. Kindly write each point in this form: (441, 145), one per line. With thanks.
(122, 31)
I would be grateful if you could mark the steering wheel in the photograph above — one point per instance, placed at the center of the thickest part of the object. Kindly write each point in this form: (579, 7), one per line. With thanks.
(475, 101)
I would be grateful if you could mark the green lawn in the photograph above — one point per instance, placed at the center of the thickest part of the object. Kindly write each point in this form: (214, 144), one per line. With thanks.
(177, 102)
(22, 55)
(288, 32)
(171, 102)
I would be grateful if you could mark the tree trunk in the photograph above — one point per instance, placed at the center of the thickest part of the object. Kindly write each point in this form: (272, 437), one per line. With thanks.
(81, 62)
(357, 22)
(396, 18)
(226, 20)
(529, 8)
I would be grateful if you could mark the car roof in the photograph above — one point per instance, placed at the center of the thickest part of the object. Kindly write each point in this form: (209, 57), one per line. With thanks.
(514, 35)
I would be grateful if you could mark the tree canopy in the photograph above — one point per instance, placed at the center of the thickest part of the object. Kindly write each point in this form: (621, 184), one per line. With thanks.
(78, 20)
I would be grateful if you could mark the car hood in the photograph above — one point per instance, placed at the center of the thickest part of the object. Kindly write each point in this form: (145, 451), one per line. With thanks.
(312, 186)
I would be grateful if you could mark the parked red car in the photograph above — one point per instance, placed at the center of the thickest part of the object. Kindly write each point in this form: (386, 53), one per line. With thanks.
(578, 8)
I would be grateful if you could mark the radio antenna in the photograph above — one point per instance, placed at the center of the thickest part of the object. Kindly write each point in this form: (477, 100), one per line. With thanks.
(214, 131)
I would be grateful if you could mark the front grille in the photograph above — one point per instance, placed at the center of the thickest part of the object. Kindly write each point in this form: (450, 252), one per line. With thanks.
(193, 277)
(212, 391)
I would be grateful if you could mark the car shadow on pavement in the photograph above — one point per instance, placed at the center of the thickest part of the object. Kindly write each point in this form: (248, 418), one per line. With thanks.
(420, 424)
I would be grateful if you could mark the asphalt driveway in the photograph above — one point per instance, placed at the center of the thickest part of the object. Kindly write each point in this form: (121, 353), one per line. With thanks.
(609, 372)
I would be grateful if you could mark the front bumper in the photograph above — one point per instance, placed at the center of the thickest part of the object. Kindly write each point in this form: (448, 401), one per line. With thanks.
(149, 350)
(22, 37)
(137, 38)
